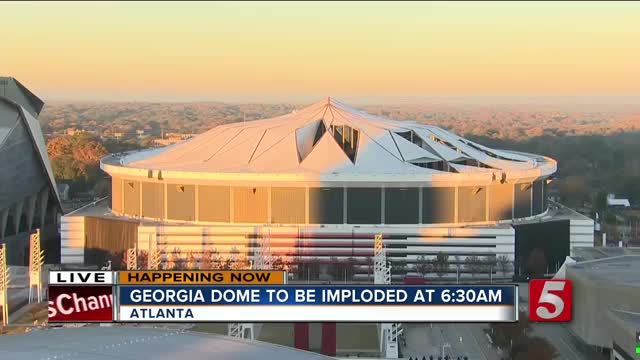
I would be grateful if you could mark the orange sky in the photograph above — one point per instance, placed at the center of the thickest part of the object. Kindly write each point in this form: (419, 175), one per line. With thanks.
(289, 51)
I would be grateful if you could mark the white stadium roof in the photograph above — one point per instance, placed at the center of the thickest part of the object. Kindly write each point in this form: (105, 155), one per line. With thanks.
(329, 137)
(128, 342)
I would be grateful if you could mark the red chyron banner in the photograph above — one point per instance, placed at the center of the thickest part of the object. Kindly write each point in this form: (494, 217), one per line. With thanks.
(80, 303)
(550, 300)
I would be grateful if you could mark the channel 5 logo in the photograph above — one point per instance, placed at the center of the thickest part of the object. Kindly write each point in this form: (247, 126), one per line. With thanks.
(550, 300)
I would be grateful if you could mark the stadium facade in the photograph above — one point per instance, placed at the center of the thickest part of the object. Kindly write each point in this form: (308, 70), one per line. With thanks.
(317, 185)
(28, 194)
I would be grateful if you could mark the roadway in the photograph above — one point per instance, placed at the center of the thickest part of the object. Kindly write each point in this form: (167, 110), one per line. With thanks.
(463, 340)
(567, 344)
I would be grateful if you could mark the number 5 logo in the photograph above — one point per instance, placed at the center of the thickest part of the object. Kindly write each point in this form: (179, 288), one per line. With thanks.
(550, 300)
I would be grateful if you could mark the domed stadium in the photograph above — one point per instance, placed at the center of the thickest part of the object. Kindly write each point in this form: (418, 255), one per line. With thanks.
(329, 164)
(318, 183)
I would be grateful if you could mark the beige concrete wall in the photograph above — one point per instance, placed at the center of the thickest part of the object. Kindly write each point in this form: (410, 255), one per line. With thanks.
(500, 202)
(181, 203)
(131, 190)
(438, 205)
(250, 205)
(116, 195)
(153, 200)
(288, 205)
(472, 203)
(213, 203)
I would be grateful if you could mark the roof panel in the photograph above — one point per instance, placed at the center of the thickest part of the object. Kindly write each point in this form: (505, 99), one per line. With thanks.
(326, 157)
(412, 151)
(41, 146)
(273, 145)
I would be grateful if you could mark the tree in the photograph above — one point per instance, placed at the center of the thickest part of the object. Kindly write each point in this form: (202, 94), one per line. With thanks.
(511, 336)
(369, 266)
(335, 268)
(473, 264)
(102, 188)
(423, 266)
(536, 262)
(458, 265)
(504, 264)
(210, 260)
(313, 269)
(536, 348)
(190, 262)
(174, 260)
(441, 264)
(489, 264)
(350, 268)
(76, 158)
(235, 260)
(142, 259)
(399, 267)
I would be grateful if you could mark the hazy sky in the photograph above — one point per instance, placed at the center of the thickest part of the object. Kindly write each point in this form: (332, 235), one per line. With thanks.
(296, 51)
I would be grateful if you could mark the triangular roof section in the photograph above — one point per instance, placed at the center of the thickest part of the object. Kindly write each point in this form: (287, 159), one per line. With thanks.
(32, 126)
(372, 158)
(443, 151)
(40, 145)
(308, 135)
(13, 90)
(411, 151)
(281, 157)
(326, 157)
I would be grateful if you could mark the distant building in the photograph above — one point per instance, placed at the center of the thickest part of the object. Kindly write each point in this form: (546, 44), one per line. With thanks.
(606, 299)
(319, 183)
(28, 193)
(72, 131)
(172, 138)
(617, 203)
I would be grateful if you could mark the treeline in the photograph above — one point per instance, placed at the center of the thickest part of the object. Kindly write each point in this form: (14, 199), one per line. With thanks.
(75, 160)
(589, 167)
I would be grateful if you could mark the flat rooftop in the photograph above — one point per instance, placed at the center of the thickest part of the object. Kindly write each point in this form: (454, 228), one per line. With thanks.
(623, 269)
(594, 253)
(631, 319)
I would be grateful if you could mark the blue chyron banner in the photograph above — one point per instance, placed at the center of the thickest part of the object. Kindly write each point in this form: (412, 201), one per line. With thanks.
(340, 303)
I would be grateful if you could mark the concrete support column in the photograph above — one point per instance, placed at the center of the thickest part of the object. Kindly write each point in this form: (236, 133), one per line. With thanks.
(307, 205)
(382, 205)
(329, 339)
(30, 210)
(344, 205)
(196, 202)
(455, 203)
(301, 335)
(231, 209)
(54, 214)
(513, 201)
(17, 215)
(531, 199)
(487, 199)
(4, 216)
(419, 204)
(43, 202)
(544, 182)
(269, 205)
